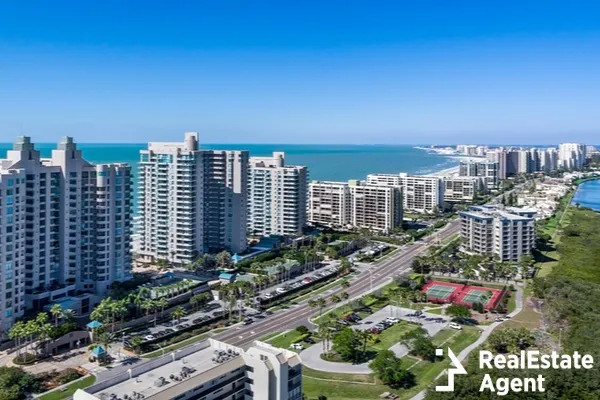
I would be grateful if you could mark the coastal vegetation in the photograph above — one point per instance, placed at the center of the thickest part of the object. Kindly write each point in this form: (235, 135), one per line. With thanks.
(571, 293)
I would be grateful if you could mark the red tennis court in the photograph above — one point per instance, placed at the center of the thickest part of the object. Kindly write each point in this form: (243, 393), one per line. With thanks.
(446, 292)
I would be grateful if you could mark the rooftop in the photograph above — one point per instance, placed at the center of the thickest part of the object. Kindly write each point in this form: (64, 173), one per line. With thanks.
(199, 366)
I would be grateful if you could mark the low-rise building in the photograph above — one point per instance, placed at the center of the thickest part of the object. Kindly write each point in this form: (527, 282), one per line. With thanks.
(508, 232)
(209, 370)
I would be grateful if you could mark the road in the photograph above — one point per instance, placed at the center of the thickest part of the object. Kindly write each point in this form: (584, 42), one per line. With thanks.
(382, 273)
(361, 284)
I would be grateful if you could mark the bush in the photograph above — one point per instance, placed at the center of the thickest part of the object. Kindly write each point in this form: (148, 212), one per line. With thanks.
(302, 329)
(67, 376)
(301, 338)
(24, 359)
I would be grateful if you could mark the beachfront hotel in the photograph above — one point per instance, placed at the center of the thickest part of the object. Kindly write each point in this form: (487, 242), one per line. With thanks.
(278, 196)
(421, 193)
(354, 204)
(209, 370)
(508, 232)
(66, 226)
(462, 189)
(191, 201)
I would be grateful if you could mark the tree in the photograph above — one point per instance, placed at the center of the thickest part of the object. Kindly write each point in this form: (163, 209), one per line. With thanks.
(178, 313)
(420, 344)
(388, 368)
(56, 311)
(321, 303)
(16, 384)
(459, 311)
(223, 259)
(347, 344)
(136, 343)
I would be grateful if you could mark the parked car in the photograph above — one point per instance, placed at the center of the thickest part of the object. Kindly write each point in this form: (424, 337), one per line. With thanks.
(374, 330)
(280, 290)
(309, 340)
(149, 337)
(248, 321)
(393, 320)
(296, 346)
(454, 325)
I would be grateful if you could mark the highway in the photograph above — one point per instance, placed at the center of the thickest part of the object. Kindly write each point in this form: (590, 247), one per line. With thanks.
(360, 284)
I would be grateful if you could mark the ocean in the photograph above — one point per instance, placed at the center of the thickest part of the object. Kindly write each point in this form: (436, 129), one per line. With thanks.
(325, 162)
(588, 195)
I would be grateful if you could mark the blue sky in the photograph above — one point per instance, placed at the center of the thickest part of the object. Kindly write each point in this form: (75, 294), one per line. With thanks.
(301, 72)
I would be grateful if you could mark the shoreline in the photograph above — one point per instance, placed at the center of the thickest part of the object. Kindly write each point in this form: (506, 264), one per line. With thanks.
(451, 171)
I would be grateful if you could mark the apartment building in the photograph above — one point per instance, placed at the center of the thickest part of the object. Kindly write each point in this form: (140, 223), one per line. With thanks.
(354, 204)
(277, 197)
(65, 224)
(210, 370)
(548, 159)
(420, 193)
(375, 207)
(329, 204)
(571, 155)
(508, 232)
(191, 201)
(487, 170)
(462, 189)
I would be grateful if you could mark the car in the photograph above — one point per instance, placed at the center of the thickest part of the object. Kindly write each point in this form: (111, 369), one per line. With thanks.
(149, 337)
(169, 330)
(309, 340)
(268, 296)
(248, 321)
(268, 312)
(393, 320)
(456, 326)
(366, 309)
(307, 280)
(374, 330)
(296, 346)
(280, 290)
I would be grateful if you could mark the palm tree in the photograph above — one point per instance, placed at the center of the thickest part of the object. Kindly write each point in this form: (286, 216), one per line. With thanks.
(16, 333)
(56, 312)
(321, 303)
(335, 299)
(178, 313)
(105, 339)
(162, 303)
(344, 296)
(136, 342)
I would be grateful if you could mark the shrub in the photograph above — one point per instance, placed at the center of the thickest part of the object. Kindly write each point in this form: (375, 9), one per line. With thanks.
(302, 329)
(300, 338)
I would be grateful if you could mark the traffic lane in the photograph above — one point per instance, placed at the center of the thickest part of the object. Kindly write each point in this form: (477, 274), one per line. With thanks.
(300, 314)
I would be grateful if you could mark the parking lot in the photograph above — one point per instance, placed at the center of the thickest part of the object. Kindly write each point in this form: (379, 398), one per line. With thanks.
(299, 281)
(431, 322)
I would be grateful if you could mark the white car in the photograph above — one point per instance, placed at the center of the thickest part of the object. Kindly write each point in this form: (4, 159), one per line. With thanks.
(454, 325)
(393, 320)
(296, 346)
(149, 337)
(280, 290)
(268, 296)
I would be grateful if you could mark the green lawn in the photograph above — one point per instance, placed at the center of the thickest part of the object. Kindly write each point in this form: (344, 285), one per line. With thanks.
(442, 336)
(527, 318)
(392, 335)
(58, 394)
(176, 346)
(439, 311)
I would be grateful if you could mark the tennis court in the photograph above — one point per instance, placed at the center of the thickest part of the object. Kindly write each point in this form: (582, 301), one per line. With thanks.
(478, 296)
(440, 291)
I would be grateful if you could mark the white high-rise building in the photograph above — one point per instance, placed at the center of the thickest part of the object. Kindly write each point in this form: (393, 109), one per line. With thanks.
(210, 370)
(65, 224)
(278, 194)
(487, 170)
(571, 155)
(354, 204)
(462, 188)
(548, 159)
(420, 193)
(507, 232)
(329, 203)
(191, 201)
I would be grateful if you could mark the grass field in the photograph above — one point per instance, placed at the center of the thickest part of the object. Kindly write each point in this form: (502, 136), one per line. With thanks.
(527, 318)
(392, 335)
(59, 395)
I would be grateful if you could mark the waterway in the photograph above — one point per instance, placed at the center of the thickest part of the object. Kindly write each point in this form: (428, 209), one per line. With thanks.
(588, 195)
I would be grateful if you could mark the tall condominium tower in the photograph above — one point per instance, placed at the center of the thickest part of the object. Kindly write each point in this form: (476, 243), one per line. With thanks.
(507, 232)
(191, 201)
(420, 193)
(571, 155)
(277, 199)
(65, 224)
(487, 170)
